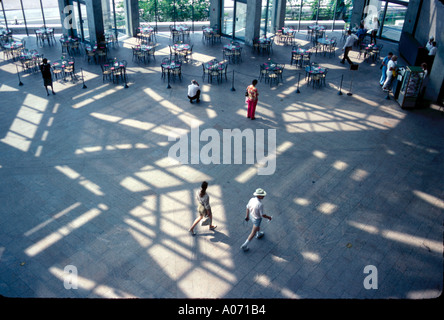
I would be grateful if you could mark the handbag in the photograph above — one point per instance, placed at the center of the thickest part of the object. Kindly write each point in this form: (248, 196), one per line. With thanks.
(246, 93)
(205, 221)
(202, 212)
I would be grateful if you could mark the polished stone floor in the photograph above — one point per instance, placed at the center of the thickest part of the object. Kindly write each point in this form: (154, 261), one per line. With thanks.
(89, 187)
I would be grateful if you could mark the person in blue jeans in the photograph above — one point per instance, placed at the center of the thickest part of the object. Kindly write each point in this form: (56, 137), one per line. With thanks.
(384, 68)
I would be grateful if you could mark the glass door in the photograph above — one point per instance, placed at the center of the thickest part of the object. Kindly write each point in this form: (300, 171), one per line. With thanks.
(81, 20)
(240, 20)
(234, 19)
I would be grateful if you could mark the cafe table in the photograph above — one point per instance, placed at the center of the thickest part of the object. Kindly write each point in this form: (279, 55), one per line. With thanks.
(371, 51)
(62, 65)
(272, 68)
(145, 33)
(183, 30)
(288, 35)
(312, 72)
(325, 44)
(118, 68)
(43, 34)
(233, 52)
(30, 59)
(181, 50)
(171, 66)
(297, 55)
(12, 48)
(13, 45)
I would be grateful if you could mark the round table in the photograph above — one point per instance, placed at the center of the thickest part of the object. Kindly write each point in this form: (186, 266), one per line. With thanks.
(13, 45)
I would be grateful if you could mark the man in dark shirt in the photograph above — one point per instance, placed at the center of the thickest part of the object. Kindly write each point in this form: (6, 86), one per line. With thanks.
(45, 68)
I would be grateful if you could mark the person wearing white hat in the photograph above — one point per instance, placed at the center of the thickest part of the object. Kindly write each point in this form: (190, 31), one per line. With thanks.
(256, 209)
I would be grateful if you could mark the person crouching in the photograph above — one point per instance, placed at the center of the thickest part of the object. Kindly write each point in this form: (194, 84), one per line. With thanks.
(194, 91)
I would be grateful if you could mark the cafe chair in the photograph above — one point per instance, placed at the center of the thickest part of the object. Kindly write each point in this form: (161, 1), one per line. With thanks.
(177, 72)
(186, 34)
(273, 76)
(217, 36)
(138, 55)
(237, 55)
(306, 59)
(263, 74)
(227, 55)
(189, 54)
(57, 73)
(332, 48)
(214, 73)
(90, 55)
(223, 72)
(316, 80)
(280, 71)
(175, 35)
(151, 52)
(65, 47)
(69, 71)
(208, 38)
(75, 47)
(376, 52)
(106, 72)
(324, 76)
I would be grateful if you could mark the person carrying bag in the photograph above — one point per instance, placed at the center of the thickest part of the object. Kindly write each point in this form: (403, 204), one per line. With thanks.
(204, 209)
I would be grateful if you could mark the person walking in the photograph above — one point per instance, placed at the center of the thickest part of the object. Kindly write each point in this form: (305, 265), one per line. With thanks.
(256, 209)
(252, 98)
(204, 208)
(391, 72)
(45, 68)
(348, 46)
(384, 68)
(194, 91)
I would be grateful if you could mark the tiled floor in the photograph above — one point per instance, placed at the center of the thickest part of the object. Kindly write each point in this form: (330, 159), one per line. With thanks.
(88, 187)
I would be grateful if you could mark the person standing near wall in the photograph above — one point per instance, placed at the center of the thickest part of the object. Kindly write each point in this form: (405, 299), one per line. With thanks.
(385, 61)
(391, 72)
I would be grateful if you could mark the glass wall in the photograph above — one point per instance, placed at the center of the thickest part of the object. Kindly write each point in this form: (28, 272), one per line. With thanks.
(80, 20)
(228, 17)
(33, 14)
(335, 13)
(13, 15)
(266, 14)
(51, 12)
(391, 16)
(114, 20)
(392, 20)
(234, 19)
(173, 10)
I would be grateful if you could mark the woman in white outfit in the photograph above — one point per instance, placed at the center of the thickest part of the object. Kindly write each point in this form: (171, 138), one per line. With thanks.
(391, 68)
(204, 208)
